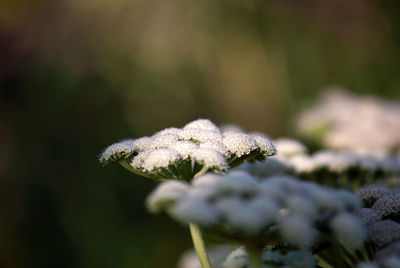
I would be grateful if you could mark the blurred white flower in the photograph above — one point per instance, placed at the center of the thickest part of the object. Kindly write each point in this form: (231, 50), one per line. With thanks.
(216, 254)
(362, 124)
(236, 205)
(384, 232)
(297, 230)
(168, 192)
(195, 210)
(288, 147)
(349, 230)
(237, 259)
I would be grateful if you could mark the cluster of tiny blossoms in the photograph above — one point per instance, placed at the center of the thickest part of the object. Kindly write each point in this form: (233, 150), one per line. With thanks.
(270, 259)
(277, 211)
(181, 153)
(332, 168)
(273, 208)
(381, 215)
(217, 255)
(365, 125)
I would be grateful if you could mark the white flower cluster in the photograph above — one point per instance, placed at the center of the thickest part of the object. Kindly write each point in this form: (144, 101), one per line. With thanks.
(181, 153)
(380, 215)
(365, 125)
(216, 254)
(383, 200)
(270, 259)
(384, 261)
(339, 162)
(238, 205)
(324, 165)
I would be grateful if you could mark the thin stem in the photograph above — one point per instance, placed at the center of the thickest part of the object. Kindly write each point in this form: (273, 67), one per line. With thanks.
(201, 172)
(199, 245)
(322, 263)
(254, 257)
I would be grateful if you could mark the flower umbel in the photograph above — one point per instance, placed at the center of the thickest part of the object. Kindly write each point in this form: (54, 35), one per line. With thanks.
(198, 147)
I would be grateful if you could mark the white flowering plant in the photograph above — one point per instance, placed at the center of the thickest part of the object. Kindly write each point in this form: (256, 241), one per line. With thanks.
(338, 169)
(183, 153)
(269, 203)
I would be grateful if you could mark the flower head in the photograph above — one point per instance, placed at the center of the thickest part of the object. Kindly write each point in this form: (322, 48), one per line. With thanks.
(237, 205)
(177, 153)
(384, 232)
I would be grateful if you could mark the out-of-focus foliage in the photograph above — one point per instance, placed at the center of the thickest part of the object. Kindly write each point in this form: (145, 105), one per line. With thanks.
(76, 75)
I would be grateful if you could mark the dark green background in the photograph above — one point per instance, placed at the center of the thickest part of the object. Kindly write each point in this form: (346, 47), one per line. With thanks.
(78, 75)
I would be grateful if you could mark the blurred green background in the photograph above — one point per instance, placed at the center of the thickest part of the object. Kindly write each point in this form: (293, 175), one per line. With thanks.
(78, 75)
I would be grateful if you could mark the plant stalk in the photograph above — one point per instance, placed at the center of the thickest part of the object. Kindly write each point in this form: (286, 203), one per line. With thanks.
(199, 246)
(254, 258)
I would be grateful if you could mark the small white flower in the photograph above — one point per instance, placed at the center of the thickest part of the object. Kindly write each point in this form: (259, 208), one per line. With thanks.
(297, 230)
(327, 200)
(348, 229)
(289, 147)
(216, 254)
(265, 206)
(117, 151)
(302, 163)
(348, 199)
(237, 259)
(389, 165)
(210, 158)
(200, 135)
(391, 250)
(160, 158)
(369, 164)
(201, 124)
(166, 193)
(164, 141)
(184, 148)
(234, 182)
(374, 131)
(168, 131)
(217, 146)
(239, 143)
(368, 216)
(239, 182)
(137, 161)
(287, 183)
(264, 145)
(372, 193)
(269, 167)
(384, 232)
(204, 192)
(333, 161)
(195, 210)
(143, 143)
(208, 179)
(302, 206)
(388, 204)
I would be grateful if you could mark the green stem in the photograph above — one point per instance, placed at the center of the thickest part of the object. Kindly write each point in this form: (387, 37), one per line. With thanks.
(322, 263)
(254, 258)
(201, 172)
(199, 245)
